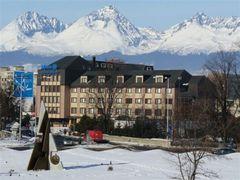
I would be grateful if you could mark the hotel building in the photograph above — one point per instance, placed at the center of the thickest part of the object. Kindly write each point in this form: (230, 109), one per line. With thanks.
(79, 87)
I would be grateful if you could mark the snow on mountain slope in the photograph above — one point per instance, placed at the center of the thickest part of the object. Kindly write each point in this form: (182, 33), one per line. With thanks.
(22, 31)
(102, 31)
(202, 34)
(108, 30)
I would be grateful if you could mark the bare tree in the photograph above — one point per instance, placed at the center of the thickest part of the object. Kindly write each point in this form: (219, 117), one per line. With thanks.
(105, 99)
(190, 163)
(220, 70)
(196, 115)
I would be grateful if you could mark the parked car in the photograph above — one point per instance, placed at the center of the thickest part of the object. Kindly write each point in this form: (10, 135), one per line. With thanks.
(93, 135)
(223, 151)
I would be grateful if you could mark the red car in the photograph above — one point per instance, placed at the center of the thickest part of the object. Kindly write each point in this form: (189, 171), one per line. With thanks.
(93, 135)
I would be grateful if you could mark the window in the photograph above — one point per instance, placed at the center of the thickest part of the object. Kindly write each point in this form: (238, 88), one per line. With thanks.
(158, 90)
(169, 91)
(100, 90)
(110, 100)
(73, 100)
(101, 79)
(100, 111)
(54, 88)
(82, 90)
(51, 88)
(148, 112)
(83, 100)
(110, 66)
(57, 77)
(148, 90)
(118, 111)
(58, 99)
(54, 77)
(169, 101)
(100, 100)
(120, 79)
(149, 68)
(158, 101)
(129, 90)
(91, 111)
(138, 111)
(128, 100)
(158, 112)
(74, 90)
(148, 101)
(46, 88)
(119, 90)
(169, 112)
(58, 88)
(138, 101)
(91, 100)
(83, 79)
(82, 110)
(128, 112)
(42, 89)
(103, 65)
(91, 90)
(158, 79)
(119, 100)
(73, 110)
(138, 90)
(139, 79)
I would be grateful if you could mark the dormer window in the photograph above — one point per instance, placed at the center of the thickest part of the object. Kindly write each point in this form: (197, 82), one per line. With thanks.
(110, 66)
(149, 68)
(101, 79)
(120, 79)
(139, 79)
(103, 65)
(83, 79)
(159, 79)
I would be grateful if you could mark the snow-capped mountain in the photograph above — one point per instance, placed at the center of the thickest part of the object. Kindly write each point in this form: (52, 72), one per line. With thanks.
(31, 22)
(29, 27)
(103, 31)
(203, 34)
(108, 30)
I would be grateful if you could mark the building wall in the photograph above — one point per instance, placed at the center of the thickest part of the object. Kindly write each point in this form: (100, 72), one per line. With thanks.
(77, 94)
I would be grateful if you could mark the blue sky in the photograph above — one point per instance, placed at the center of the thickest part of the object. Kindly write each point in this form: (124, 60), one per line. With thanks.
(159, 14)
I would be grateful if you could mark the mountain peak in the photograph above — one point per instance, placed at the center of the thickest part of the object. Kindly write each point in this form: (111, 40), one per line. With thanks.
(31, 22)
(107, 13)
(109, 19)
(200, 18)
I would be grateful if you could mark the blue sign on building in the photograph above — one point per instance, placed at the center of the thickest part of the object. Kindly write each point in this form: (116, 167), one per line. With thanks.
(49, 69)
(23, 84)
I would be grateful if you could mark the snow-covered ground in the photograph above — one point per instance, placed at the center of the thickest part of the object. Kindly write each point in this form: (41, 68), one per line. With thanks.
(80, 163)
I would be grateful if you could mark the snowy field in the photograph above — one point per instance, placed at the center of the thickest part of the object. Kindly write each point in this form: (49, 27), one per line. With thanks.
(85, 164)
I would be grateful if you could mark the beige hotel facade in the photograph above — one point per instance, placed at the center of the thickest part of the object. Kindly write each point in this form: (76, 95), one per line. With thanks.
(81, 87)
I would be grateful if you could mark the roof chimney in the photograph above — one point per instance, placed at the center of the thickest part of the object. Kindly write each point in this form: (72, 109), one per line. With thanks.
(94, 61)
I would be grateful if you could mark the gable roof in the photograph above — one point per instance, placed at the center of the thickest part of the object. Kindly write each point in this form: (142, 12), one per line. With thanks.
(68, 61)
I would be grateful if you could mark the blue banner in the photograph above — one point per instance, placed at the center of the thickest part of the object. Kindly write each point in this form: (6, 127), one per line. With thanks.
(23, 84)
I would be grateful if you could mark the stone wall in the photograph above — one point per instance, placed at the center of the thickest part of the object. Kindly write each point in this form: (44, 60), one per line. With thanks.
(154, 142)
